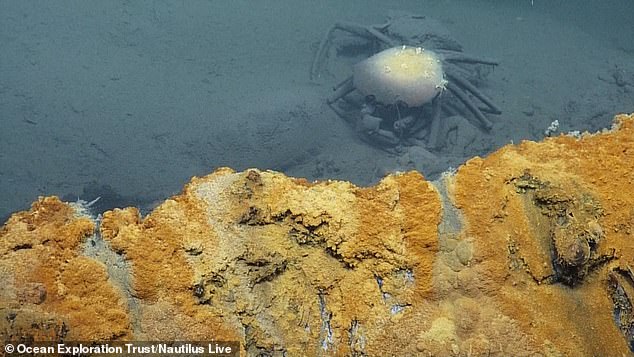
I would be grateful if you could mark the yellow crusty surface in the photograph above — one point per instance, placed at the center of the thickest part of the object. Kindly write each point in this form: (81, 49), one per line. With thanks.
(512, 202)
(327, 268)
(49, 289)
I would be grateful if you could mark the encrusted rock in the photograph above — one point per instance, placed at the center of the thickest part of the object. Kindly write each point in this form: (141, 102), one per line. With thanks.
(535, 261)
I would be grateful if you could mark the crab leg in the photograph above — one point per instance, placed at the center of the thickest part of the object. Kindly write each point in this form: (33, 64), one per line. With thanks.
(458, 69)
(363, 31)
(341, 90)
(462, 96)
(453, 56)
(450, 109)
(381, 37)
(463, 83)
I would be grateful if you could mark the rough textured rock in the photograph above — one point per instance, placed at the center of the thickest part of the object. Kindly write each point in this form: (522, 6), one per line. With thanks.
(526, 252)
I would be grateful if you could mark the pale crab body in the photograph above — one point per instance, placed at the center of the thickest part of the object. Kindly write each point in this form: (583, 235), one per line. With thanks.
(406, 74)
(418, 77)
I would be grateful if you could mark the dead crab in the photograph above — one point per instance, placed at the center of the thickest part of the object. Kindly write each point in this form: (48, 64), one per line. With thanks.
(419, 76)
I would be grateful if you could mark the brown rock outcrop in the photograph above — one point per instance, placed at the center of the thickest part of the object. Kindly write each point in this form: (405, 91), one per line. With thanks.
(526, 252)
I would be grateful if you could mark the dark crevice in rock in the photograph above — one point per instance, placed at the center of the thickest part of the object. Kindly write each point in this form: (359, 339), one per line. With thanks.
(22, 246)
(356, 339)
(205, 289)
(621, 289)
(326, 336)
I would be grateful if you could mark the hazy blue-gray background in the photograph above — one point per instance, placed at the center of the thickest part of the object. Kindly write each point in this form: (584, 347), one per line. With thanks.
(129, 99)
